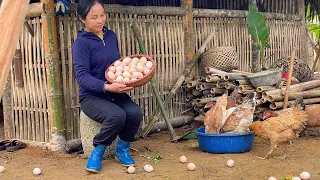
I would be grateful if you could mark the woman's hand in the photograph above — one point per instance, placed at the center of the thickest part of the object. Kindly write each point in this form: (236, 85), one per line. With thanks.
(117, 88)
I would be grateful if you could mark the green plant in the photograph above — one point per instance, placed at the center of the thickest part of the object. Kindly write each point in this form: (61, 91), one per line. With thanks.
(314, 28)
(258, 29)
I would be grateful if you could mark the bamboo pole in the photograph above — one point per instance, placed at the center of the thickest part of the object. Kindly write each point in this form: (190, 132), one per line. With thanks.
(50, 41)
(181, 79)
(213, 78)
(265, 88)
(278, 105)
(286, 95)
(292, 96)
(154, 87)
(12, 15)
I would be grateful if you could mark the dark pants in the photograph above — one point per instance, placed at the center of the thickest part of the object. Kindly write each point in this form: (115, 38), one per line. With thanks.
(119, 116)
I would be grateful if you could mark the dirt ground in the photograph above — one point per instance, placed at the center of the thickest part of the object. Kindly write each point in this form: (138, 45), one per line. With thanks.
(303, 156)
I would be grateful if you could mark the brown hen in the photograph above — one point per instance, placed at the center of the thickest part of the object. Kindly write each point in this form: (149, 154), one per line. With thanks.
(282, 128)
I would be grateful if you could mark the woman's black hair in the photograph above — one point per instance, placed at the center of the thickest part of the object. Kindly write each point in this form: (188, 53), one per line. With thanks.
(84, 7)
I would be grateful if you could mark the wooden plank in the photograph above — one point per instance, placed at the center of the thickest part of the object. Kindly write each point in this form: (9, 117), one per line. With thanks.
(12, 14)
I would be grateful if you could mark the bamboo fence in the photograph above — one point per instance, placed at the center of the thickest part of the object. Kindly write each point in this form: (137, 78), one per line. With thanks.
(273, 6)
(164, 40)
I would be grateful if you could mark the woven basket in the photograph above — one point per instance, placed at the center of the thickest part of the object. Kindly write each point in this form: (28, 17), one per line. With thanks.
(139, 82)
(223, 58)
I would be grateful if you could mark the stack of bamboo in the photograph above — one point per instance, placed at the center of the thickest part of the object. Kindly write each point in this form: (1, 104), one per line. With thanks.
(201, 90)
(272, 98)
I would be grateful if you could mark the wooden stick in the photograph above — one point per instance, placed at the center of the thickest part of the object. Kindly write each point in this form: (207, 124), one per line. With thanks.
(155, 88)
(12, 15)
(286, 95)
(179, 82)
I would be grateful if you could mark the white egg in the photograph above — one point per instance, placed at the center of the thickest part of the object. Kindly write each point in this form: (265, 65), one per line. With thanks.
(131, 169)
(132, 65)
(132, 70)
(1, 169)
(135, 59)
(272, 178)
(126, 74)
(183, 159)
(143, 59)
(119, 68)
(117, 63)
(141, 64)
(305, 175)
(118, 73)
(136, 75)
(146, 71)
(191, 166)
(126, 68)
(126, 79)
(111, 75)
(119, 79)
(133, 79)
(140, 68)
(36, 171)
(126, 60)
(149, 65)
(295, 178)
(112, 69)
(148, 168)
(230, 163)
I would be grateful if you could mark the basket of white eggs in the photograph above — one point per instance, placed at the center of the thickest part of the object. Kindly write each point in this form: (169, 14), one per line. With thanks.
(133, 71)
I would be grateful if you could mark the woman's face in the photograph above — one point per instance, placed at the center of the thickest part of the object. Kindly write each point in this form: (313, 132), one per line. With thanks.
(95, 19)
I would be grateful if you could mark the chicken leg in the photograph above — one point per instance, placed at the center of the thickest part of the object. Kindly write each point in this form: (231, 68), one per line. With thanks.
(273, 147)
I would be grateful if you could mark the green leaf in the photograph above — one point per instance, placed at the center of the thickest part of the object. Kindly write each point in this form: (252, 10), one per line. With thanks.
(315, 29)
(308, 14)
(257, 26)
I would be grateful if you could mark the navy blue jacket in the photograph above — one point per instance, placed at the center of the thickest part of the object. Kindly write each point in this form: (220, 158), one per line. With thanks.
(91, 57)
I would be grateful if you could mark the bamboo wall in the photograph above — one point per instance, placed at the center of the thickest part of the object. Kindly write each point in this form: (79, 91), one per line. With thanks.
(164, 39)
(29, 103)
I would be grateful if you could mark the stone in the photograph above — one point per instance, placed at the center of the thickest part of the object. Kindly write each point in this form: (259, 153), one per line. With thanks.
(88, 129)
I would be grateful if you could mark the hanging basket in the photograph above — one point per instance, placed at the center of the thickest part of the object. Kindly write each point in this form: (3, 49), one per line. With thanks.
(223, 58)
(141, 81)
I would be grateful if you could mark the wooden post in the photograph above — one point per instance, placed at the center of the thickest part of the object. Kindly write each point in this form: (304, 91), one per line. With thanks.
(12, 14)
(53, 70)
(301, 11)
(188, 30)
(7, 110)
(256, 65)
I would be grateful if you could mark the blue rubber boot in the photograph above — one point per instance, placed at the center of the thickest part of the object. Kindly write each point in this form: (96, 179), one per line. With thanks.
(122, 153)
(94, 163)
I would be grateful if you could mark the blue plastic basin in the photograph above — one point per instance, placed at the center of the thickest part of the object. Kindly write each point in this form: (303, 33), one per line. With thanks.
(225, 143)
